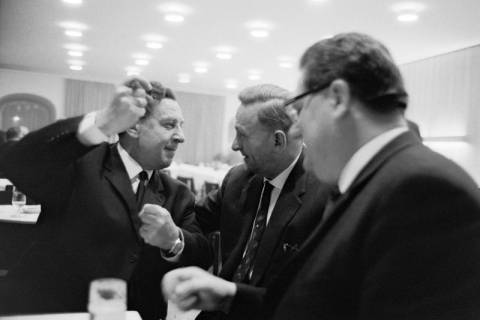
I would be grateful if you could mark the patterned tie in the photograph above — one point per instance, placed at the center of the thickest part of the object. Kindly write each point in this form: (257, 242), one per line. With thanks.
(143, 177)
(244, 270)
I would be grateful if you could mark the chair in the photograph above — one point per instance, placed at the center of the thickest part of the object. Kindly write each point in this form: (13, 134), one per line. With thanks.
(210, 186)
(6, 195)
(189, 182)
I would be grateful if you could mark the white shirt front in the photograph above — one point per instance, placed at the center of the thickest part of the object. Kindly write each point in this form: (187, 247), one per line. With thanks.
(278, 182)
(363, 155)
(132, 167)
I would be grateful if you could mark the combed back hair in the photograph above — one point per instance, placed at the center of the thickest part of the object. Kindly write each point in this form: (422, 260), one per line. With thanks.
(363, 62)
(158, 93)
(270, 99)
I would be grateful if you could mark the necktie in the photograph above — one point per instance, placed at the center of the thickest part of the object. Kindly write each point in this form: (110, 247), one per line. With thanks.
(244, 270)
(143, 177)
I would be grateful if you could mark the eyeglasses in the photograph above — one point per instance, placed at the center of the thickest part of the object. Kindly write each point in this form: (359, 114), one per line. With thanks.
(306, 93)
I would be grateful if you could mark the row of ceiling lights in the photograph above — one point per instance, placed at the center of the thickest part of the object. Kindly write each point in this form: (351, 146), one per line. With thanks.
(176, 13)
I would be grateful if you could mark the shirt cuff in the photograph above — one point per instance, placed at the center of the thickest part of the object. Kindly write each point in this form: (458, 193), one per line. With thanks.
(174, 257)
(88, 133)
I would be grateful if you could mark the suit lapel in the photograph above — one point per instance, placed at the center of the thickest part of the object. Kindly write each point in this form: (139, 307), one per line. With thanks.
(285, 209)
(250, 197)
(117, 176)
(333, 212)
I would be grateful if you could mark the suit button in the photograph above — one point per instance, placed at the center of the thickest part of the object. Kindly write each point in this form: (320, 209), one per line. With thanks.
(133, 258)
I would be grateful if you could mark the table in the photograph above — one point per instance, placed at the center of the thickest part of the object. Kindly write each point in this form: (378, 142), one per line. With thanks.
(8, 213)
(130, 315)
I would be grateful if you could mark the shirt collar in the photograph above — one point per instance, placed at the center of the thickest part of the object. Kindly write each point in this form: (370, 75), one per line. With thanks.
(363, 155)
(131, 165)
(279, 181)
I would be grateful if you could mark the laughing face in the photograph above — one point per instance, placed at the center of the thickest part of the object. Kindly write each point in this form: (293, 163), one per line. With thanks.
(159, 135)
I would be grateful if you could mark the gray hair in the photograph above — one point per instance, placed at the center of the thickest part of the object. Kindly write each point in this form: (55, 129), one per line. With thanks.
(270, 100)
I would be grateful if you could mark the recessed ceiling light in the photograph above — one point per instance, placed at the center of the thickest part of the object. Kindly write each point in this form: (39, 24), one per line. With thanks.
(132, 71)
(76, 67)
(16, 118)
(200, 67)
(141, 56)
(75, 2)
(174, 12)
(254, 74)
(73, 53)
(259, 29)
(75, 47)
(224, 55)
(73, 33)
(142, 62)
(318, 1)
(154, 45)
(184, 78)
(224, 52)
(407, 17)
(72, 25)
(231, 84)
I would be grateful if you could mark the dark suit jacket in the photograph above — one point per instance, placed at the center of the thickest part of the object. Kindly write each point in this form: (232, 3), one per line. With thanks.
(402, 243)
(89, 225)
(232, 208)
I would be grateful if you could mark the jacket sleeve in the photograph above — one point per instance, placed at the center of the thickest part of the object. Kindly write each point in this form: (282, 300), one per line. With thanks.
(41, 164)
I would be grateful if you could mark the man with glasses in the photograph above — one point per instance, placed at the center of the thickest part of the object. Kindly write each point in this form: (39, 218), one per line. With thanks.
(401, 237)
(107, 210)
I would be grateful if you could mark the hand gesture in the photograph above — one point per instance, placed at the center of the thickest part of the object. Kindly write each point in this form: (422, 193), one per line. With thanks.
(127, 107)
(194, 288)
(158, 228)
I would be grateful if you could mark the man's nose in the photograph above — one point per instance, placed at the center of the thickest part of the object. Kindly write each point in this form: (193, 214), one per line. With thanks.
(235, 145)
(178, 135)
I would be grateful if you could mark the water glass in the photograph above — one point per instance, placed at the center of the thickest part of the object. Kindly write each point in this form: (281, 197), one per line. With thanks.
(107, 299)
(19, 199)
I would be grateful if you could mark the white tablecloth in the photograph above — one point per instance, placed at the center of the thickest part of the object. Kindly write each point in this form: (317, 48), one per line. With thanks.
(9, 213)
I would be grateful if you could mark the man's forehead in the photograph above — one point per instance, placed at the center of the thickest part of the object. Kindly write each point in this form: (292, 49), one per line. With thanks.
(168, 108)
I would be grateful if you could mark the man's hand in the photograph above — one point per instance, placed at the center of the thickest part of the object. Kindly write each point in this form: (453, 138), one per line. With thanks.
(194, 288)
(158, 228)
(127, 106)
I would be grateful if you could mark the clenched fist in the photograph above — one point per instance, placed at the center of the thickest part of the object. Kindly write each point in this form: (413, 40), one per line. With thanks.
(126, 108)
(158, 228)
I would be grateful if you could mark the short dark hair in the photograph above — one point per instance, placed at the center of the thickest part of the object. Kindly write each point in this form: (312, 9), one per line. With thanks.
(157, 93)
(272, 99)
(14, 133)
(363, 62)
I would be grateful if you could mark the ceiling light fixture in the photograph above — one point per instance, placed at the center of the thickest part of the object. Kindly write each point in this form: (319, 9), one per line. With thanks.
(132, 71)
(72, 25)
(200, 67)
(285, 62)
(75, 47)
(408, 11)
(259, 29)
(231, 84)
(224, 52)
(73, 33)
(154, 45)
(254, 74)
(73, 53)
(74, 2)
(142, 62)
(76, 67)
(174, 12)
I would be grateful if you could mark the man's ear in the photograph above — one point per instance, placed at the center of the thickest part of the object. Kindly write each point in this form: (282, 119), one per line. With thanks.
(133, 131)
(280, 139)
(341, 94)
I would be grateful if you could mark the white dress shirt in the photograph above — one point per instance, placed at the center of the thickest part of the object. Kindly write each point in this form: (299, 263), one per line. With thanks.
(363, 155)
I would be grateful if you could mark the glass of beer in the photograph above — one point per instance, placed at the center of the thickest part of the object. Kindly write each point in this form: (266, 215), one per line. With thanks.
(107, 299)
(19, 199)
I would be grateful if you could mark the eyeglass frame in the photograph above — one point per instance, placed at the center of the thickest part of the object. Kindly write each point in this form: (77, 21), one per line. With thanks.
(302, 95)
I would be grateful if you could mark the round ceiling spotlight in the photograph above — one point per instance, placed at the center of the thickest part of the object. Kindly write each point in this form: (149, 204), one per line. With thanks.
(174, 12)
(231, 84)
(259, 29)
(408, 11)
(224, 52)
(285, 62)
(200, 67)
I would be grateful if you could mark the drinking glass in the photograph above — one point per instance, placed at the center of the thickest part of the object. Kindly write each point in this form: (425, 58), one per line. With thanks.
(107, 299)
(19, 199)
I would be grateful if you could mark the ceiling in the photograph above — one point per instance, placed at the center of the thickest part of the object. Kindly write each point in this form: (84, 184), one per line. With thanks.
(31, 37)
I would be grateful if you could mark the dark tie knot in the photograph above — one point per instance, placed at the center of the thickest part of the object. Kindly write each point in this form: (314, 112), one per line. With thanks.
(143, 176)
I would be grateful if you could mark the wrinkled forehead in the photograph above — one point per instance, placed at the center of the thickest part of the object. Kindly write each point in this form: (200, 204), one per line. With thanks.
(168, 108)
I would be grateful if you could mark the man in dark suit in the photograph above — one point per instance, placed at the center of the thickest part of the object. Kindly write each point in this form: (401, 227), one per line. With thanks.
(401, 238)
(91, 194)
(294, 206)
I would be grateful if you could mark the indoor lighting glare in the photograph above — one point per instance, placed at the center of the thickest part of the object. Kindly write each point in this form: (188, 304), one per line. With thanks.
(72, 25)
(132, 71)
(200, 69)
(73, 33)
(259, 33)
(76, 67)
(254, 77)
(154, 45)
(16, 118)
(75, 47)
(407, 17)
(74, 53)
(224, 55)
(231, 85)
(74, 2)
(174, 17)
(141, 62)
